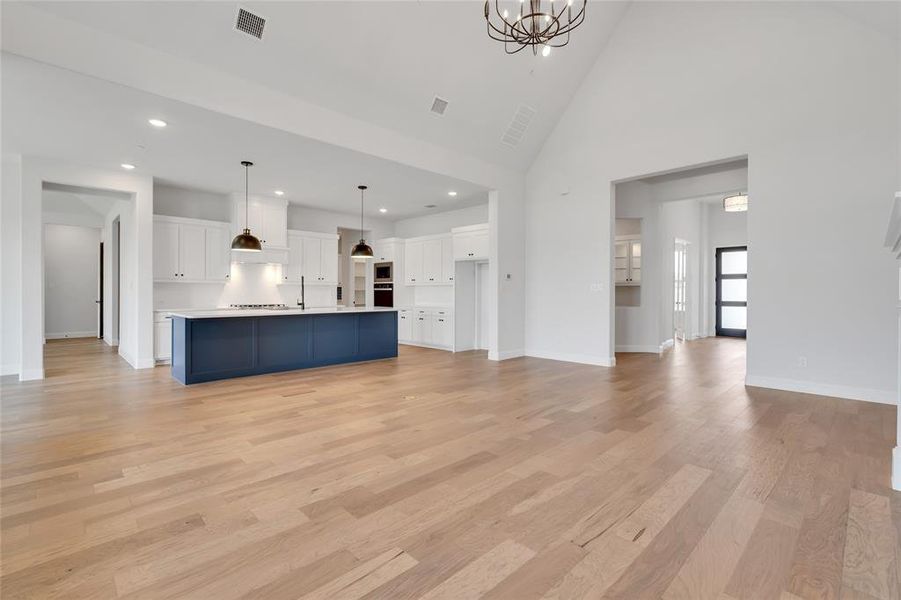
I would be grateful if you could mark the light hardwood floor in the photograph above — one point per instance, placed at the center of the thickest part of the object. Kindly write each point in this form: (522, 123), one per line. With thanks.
(443, 476)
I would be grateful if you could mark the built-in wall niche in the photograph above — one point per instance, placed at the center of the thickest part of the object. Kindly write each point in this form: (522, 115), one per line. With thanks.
(627, 262)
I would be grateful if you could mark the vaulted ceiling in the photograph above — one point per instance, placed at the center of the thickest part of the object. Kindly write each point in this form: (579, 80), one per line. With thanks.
(381, 62)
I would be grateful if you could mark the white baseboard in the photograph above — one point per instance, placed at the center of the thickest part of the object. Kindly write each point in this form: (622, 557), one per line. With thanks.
(822, 389)
(418, 345)
(9, 370)
(638, 348)
(31, 374)
(584, 359)
(896, 468)
(145, 363)
(665, 345)
(110, 341)
(69, 334)
(505, 354)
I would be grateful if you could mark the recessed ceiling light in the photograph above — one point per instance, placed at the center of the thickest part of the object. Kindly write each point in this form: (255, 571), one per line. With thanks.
(383, 210)
(279, 193)
(127, 166)
(157, 122)
(430, 206)
(452, 193)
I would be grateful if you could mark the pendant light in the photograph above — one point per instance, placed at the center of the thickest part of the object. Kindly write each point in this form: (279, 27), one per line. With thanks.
(245, 242)
(361, 250)
(735, 203)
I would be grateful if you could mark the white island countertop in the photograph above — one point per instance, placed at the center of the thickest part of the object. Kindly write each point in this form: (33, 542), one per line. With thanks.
(220, 313)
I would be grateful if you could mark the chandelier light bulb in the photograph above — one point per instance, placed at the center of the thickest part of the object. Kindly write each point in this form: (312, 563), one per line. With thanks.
(505, 13)
(545, 51)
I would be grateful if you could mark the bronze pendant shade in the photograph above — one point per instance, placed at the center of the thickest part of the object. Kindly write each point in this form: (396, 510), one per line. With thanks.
(362, 249)
(246, 242)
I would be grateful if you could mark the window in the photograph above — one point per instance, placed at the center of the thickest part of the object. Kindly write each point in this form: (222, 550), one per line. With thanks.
(732, 291)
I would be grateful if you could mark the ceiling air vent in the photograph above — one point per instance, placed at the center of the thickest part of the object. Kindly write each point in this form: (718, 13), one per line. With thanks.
(518, 126)
(439, 105)
(250, 23)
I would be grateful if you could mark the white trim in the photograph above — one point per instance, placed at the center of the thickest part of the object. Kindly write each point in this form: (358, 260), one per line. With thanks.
(665, 345)
(585, 359)
(421, 345)
(506, 354)
(822, 389)
(638, 348)
(110, 341)
(70, 334)
(31, 374)
(9, 370)
(896, 468)
(145, 363)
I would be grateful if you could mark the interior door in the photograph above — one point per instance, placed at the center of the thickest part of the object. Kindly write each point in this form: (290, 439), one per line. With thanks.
(732, 291)
(680, 289)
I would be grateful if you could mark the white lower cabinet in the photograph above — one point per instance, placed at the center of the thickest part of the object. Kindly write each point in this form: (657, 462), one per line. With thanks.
(162, 337)
(433, 327)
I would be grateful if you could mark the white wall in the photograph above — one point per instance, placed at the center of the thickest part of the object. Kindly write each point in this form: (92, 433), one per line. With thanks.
(136, 339)
(191, 204)
(441, 222)
(10, 263)
(324, 221)
(811, 98)
(71, 280)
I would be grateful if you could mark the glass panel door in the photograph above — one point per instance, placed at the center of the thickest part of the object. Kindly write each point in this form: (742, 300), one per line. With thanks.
(732, 291)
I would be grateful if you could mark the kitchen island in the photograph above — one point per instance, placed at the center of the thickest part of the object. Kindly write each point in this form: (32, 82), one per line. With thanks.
(221, 344)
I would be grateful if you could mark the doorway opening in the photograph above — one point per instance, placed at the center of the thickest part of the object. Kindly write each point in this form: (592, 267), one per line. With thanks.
(666, 228)
(732, 291)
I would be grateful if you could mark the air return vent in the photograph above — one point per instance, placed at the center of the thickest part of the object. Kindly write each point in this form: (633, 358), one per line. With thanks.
(250, 23)
(518, 126)
(439, 105)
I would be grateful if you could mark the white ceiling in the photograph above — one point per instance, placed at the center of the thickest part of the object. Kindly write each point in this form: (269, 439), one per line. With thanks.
(52, 112)
(382, 62)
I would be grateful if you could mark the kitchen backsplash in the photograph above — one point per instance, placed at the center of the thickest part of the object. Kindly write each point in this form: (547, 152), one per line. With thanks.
(250, 284)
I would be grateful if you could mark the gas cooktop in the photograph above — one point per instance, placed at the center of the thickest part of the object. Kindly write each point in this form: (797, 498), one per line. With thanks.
(259, 306)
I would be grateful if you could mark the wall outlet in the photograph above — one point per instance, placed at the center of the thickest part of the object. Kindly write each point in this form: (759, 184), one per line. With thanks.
(802, 362)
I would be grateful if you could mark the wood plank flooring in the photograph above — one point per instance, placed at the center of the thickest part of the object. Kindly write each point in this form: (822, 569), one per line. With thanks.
(442, 476)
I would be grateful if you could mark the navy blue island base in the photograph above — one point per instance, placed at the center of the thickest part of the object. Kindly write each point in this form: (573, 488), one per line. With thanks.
(211, 348)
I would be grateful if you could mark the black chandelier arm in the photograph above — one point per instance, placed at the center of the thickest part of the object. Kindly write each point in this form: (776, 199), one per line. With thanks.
(536, 28)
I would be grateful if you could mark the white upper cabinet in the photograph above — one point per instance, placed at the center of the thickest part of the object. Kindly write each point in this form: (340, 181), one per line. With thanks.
(329, 261)
(190, 250)
(165, 251)
(386, 250)
(447, 260)
(313, 256)
(312, 259)
(292, 271)
(218, 253)
(429, 260)
(413, 263)
(267, 219)
(627, 260)
(471, 243)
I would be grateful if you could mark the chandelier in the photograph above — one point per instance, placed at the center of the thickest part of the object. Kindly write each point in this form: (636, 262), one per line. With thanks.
(543, 24)
(735, 203)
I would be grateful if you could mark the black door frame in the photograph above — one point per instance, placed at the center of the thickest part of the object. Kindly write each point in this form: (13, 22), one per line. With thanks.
(720, 331)
(100, 302)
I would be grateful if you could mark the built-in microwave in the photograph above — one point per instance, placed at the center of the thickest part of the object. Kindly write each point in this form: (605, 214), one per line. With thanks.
(384, 272)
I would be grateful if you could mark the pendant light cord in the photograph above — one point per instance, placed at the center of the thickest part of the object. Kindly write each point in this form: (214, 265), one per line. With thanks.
(361, 215)
(246, 212)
